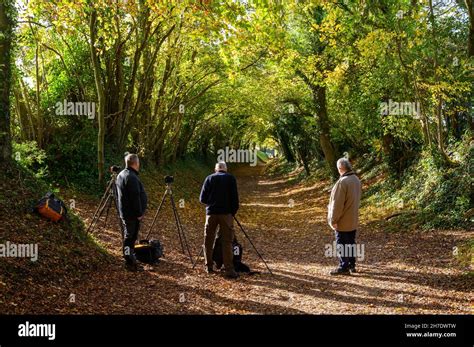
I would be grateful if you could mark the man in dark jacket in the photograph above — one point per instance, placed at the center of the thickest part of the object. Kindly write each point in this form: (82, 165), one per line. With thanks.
(132, 203)
(219, 194)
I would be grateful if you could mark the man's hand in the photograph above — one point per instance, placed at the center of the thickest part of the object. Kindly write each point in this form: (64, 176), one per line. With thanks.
(140, 218)
(334, 226)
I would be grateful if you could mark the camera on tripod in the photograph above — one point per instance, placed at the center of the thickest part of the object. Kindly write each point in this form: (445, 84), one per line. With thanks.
(108, 199)
(114, 169)
(181, 234)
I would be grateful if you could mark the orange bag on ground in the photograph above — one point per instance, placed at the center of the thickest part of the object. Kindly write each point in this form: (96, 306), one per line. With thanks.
(51, 208)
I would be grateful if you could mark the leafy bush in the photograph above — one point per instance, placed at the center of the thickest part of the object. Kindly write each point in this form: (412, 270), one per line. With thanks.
(442, 196)
(451, 194)
(31, 158)
(75, 161)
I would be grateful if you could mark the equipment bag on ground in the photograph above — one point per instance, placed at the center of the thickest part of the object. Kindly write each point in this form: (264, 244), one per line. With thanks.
(237, 251)
(149, 251)
(51, 208)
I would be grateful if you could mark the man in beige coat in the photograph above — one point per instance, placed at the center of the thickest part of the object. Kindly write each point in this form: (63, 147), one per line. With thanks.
(343, 216)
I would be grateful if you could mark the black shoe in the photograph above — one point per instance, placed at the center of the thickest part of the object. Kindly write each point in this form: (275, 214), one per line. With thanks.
(340, 271)
(209, 269)
(352, 269)
(231, 275)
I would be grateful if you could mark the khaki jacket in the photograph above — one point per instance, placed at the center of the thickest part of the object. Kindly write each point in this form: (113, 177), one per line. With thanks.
(343, 208)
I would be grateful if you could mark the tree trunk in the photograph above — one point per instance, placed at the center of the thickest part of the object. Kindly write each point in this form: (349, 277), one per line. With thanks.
(39, 116)
(6, 28)
(438, 108)
(319, 99)
(29, 112)
(304, 161)
(21, 111)
(283, 140)
(100, 95)
(470, 43)
(319, 95)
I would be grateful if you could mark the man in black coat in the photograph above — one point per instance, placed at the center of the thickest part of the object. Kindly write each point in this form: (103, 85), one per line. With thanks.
(219, 194)
(132, 203)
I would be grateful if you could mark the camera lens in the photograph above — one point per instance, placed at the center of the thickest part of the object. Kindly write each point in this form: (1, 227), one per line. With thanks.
(114, 168)
(169, 179)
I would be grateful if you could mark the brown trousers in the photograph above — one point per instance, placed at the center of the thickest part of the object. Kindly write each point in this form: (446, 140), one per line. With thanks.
(226, 232)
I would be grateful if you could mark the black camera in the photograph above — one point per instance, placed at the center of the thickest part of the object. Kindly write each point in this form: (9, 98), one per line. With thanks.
(114, 169)
(169, 179)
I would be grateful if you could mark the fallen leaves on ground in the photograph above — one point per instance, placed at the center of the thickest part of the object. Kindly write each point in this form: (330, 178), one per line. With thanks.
(402, 273)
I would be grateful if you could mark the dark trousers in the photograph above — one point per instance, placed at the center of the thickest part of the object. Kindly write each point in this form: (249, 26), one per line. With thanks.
(131, 228)
(226, 233)
(346, 238)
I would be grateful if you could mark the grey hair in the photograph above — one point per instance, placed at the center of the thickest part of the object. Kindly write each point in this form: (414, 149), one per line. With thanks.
(131, 159)
(221, 166)
(344, 163)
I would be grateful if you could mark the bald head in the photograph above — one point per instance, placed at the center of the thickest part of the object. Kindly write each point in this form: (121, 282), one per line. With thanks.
(343, 166)
(221, 166)
(131, 160)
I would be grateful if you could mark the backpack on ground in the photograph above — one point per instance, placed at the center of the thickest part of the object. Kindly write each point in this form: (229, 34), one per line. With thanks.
(237, 251)
(51, 208)
(149, 251)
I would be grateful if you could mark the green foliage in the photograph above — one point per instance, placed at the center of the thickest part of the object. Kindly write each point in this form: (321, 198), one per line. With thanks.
(441, 197)
(186, 78)
(31, 158)
(465, 255)
(73, 163)
(452, 197)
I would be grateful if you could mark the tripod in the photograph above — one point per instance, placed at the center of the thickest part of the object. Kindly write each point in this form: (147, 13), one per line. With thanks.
(248, 238)
(109, 198)
(181, 235)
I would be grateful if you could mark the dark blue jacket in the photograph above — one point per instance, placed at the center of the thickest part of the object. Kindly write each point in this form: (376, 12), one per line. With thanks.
(131, 196)
(219, 193)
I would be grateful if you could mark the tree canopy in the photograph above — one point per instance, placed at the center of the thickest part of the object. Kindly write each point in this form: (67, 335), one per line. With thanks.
(309, 78)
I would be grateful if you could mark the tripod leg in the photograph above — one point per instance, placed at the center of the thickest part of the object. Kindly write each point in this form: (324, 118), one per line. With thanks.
(105, 207)
(100, 207)
(199, 255)
(255, 248)
(178, 225)
(109, 205)
(96, 219)
(180, 229)
(114, 196)
(156, 215)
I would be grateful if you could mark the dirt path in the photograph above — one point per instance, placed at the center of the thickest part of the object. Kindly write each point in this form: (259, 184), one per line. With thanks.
(401, 273)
